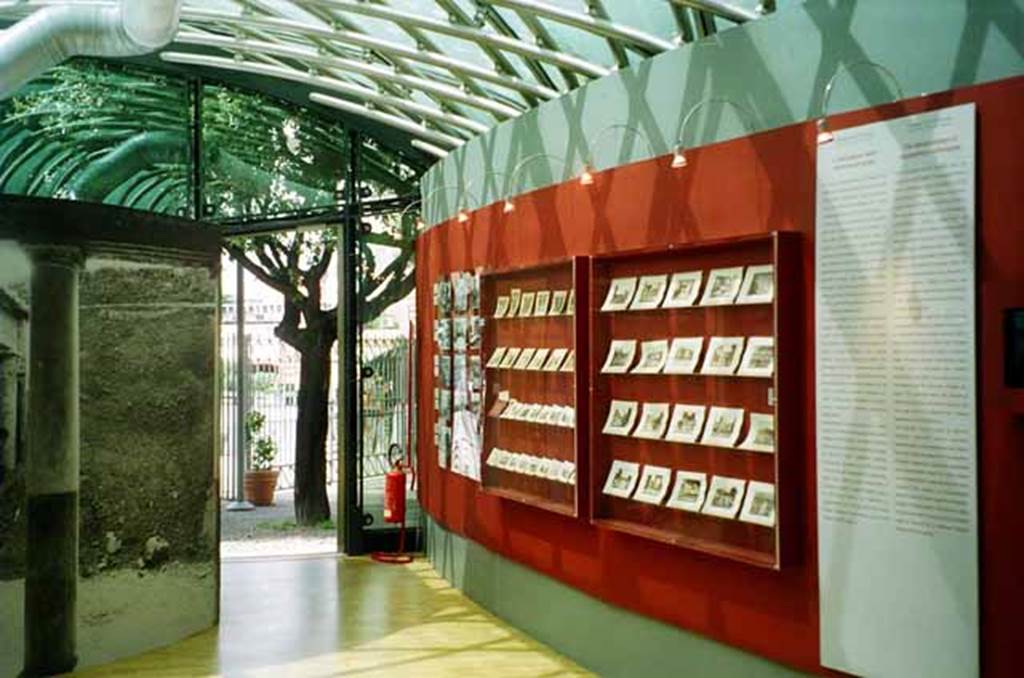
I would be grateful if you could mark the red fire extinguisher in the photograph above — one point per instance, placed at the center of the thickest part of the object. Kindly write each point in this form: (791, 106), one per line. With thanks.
(394, 491)
(394, 505)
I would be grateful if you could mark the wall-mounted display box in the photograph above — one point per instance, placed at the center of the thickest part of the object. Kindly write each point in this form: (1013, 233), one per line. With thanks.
(535, 417)
(695, 412)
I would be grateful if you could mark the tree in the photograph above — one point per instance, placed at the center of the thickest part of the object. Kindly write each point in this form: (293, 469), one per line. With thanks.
(294, 264)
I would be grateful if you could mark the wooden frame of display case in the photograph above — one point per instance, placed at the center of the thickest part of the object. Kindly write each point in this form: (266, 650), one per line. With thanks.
(729, 538)
(565, 331)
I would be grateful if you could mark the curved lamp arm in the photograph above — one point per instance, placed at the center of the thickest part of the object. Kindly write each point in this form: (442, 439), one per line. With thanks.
(824, 135)
(510, 206)
(586, 172)
(678, 154)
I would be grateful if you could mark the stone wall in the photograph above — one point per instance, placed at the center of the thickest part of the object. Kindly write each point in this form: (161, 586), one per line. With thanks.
(148, 404)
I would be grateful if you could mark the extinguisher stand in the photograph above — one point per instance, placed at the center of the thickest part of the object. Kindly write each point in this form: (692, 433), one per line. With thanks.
(394, 506)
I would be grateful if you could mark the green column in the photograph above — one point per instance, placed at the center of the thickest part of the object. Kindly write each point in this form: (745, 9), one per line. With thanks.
(52, 463)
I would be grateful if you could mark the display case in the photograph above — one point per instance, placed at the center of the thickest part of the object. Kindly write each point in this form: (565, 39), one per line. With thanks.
(535, 419)
(694, 400)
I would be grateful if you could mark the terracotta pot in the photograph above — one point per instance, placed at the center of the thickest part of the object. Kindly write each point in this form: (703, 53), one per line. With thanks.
(260, 487)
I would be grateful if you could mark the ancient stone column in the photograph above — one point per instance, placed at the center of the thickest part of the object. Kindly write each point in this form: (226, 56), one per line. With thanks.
(52, 463)
(8, 409)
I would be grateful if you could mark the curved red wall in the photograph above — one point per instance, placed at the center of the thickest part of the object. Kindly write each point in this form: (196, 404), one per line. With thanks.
(756, 184)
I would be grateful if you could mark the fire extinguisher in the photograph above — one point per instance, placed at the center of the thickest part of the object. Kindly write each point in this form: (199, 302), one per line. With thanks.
(394, 505)
(394, 490)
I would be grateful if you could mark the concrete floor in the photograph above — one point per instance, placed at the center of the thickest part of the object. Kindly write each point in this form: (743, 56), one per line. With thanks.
(329, 616)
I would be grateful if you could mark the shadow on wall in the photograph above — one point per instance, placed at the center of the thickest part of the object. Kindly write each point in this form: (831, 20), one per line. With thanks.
(148, 500)
(777, 68)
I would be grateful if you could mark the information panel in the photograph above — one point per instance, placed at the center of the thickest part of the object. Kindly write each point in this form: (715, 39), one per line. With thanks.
(896, 409)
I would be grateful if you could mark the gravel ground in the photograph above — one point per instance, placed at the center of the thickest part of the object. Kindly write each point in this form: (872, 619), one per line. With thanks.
(271, 530)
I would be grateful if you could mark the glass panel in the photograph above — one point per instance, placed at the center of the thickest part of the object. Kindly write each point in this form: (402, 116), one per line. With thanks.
(263, 157)
(387, 308)
(99, 133)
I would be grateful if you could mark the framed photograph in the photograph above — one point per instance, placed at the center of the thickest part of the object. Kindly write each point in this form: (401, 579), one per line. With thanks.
(496, 457)
(723, 355)
(511, 409)
(621, 417)
(686, 423)
(620, 293)
(570, 363)
(496, 355)
(526, 304)
(725, 496)
(723, 427)
(758, 285)
(723, 286)
(761, 434)
(653, 485)
(683, 289)
(511, 354)
(653, 421)
(523, 361)
(443, 295)
(476, 332)
(683, 355)
(759, 504)
(443, 334)
(620, 356)
(653, 355)
(555, 359)
(759, 358)
(570, 306)
(558, 299)
(460, 333)
(650, 292)
(514, 297)
(540, 306)
(622, 478)
(689, 491)
(462, 284)
(568, 416)
(539, 358)
(501, 307)
(568, 473)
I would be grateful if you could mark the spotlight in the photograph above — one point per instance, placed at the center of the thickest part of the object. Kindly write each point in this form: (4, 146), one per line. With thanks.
(508, 207)
(824, 136)
(678, 158)
(463, 216)
(586, 177)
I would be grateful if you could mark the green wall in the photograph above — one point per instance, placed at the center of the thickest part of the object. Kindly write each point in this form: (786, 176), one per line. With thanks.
(602, 638)
(775, 69)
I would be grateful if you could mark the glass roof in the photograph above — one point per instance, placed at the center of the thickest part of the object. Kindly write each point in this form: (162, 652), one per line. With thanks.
(436, 71)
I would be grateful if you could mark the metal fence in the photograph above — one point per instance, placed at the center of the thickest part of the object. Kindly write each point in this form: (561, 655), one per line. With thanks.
(385, 418)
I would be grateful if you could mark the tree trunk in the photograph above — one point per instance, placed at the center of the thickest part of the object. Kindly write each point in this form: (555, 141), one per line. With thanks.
(311, 505)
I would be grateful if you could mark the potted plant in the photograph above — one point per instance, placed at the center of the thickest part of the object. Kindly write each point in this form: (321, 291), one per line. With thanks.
(261, 478)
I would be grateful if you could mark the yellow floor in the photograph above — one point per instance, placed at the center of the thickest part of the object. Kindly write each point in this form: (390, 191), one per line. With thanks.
(329, 617)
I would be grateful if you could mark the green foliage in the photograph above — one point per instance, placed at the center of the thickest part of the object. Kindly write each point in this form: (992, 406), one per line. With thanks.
(261, 449)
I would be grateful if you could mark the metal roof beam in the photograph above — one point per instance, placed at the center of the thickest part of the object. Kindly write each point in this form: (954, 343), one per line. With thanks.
(317, 81)
(501, 61)
(726, 10)
(403, 124)
(471, 34)
(254, 47)
(649, 44)
(366, 41)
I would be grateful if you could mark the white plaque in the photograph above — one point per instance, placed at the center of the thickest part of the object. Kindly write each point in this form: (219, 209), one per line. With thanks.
(896, 404)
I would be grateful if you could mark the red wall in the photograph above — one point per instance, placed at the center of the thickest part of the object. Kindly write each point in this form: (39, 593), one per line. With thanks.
(760, 183)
